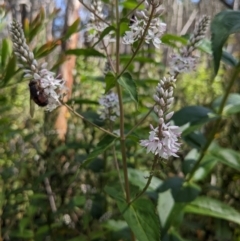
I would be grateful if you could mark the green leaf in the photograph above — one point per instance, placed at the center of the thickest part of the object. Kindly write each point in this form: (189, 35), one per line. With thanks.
(46, 48)
(113, 191)
(129, 85)
(142, 219)
(26, 234)
(110, 81)
(205, 167)
(72, 29)
(173, 235)
(84, 52)
(36, 25)
(124, 26)
(181, 191)
(228, 59)
(213, 208)
(140, 178)
(9, 71)
(232, 105)
(164, 207)
(192, 118)
(172, 40)
(105, 32)
(223, 24)
(226, 156)
(82, 101)
(194, 139)
(6, 51)
(193, 115)
(103, 145)
(131, 4)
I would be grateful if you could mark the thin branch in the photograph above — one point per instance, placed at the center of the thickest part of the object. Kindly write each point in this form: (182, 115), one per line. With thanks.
(148, 181)
(90, 10)
(50, 195)
(133, 10)
(89, 122)
(140, 122)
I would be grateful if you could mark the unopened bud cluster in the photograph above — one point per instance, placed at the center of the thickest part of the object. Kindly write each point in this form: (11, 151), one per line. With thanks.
(45, 79)
(185, 62)
(198, 34)
(107, 67)
(147, 18)
(163, 140)
(164, 99)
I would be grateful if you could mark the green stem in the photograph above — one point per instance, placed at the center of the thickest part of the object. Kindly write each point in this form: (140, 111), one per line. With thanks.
(92, 11)
(216, 126)
(133, 10)
(89, 122)
(140, 122)
(122, 135)
(148, 181)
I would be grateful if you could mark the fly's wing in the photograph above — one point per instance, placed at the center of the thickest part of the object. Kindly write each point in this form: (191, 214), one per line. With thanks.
(32, 107)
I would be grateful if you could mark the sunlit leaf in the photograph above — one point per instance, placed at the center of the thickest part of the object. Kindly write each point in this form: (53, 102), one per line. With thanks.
(142, 219)
(110, 81)
(214, 208)
(129, 85)
(104, 33)
(232, 105)
(72, 29)
(84, 52)
(223, 24)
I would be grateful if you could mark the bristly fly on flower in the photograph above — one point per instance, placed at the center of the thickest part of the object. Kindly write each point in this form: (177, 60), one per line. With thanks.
(37, 96)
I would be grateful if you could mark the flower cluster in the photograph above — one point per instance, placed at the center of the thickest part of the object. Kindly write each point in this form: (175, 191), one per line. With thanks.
(109, 107)
(163, 140)
(45, 80)
(185, 62)
(180, 64)
(146, 22)
(95, 26)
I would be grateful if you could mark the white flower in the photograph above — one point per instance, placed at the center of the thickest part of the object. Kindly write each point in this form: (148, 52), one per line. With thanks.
(180, 64)
(139, 23)
(167, 144)
(49, 86)
(109, 107)
(163, 140)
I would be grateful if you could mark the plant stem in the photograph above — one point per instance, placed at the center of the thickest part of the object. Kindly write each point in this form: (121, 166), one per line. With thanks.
(133, 10)
(216, 126)
(122, 135)
(91, 10)
(89, 122)
(148, 181)
(140, 122)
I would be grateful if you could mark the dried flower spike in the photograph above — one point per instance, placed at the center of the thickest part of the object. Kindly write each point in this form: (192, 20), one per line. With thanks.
(45, 89)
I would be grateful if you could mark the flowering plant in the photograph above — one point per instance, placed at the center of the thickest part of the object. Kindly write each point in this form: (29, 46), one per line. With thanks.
(137, 141)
